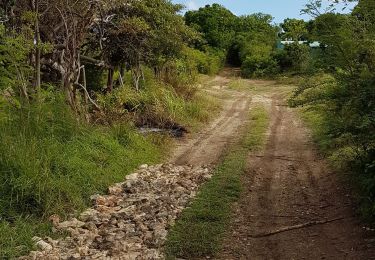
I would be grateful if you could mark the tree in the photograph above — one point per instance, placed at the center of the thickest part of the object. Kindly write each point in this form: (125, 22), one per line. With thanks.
(216, 23)
(255, 44)
(294, 29)
(64, 25)
(134, 33)
(14, 69)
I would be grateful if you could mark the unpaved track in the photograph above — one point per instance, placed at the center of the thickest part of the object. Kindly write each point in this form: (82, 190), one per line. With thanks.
(289, 184)
(206, 147)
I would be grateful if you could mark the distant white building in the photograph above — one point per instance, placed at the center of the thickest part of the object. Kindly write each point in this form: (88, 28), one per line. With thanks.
(314, 44)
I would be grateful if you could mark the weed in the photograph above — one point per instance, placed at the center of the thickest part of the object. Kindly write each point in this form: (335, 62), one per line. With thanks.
(240, 84)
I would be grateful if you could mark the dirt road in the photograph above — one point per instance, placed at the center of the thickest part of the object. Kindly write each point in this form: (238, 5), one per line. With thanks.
(289, 185)
(206, 147)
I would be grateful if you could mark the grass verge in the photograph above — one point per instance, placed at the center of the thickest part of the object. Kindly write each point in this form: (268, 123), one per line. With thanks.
(51, 164)
(200, 229)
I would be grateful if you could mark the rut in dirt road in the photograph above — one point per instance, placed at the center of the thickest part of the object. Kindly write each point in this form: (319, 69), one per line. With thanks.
(207, 147)
(288, 185)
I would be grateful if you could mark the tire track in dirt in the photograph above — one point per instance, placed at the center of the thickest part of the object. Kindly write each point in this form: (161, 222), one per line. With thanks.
(289, 184)
(207, 147)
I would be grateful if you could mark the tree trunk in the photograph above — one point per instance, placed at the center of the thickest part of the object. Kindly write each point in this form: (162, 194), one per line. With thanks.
(111, 71)
(37, 50)
(120, 80)
(136, 75)
(68, 89)
(122, 74)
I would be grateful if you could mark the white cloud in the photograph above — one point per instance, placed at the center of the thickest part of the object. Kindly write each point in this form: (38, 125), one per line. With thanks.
(192, 5)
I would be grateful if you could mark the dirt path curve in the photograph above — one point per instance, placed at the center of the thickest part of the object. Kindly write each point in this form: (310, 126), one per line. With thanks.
(206, 147)
(286, 185)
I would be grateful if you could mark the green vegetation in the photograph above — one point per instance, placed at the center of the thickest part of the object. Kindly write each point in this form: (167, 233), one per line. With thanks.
(16, 236)
(159, 104)
(340, 95)
(248, 41)
(71, 102)
(50, 164)
(199, 231)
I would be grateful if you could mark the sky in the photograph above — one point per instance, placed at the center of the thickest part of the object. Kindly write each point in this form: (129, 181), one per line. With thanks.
(279, 9)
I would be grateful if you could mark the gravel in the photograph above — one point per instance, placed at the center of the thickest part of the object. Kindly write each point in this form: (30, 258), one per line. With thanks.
(132, 221)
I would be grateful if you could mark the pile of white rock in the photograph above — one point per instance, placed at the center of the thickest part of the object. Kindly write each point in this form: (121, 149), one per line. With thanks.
(132, 221)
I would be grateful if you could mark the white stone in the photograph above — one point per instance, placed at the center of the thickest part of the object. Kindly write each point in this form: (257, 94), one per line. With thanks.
(44, 246)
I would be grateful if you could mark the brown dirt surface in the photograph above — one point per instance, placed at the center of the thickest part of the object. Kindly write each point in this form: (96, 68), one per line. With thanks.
(289, 184)
(206, 147)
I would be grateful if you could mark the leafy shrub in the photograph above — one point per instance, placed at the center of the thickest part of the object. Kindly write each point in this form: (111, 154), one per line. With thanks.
(343, 120)
(259, 66)
(95, 77)
(294, 57)
(208, 62)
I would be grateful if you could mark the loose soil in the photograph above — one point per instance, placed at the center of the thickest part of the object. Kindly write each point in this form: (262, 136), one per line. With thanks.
(290, 185)
(287, 186)
(206, 147)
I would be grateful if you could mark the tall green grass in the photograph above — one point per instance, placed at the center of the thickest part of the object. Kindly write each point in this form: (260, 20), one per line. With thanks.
(51, 164)
(199, 231)
(160, 105)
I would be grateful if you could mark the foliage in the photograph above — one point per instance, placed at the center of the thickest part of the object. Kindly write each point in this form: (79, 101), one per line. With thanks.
(294, 29)
(158, 106)
(140, 32)
(259, 66)
(209, 62)
(249, 38)
(66, 162)
(14, 71)
(345, 102)
(199, 231)
(215, 22)
(294, 58)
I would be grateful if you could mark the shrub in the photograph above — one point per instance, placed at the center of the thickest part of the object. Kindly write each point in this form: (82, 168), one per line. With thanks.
(208, 62)
(295, 58)
(259, 66)
(342, 119)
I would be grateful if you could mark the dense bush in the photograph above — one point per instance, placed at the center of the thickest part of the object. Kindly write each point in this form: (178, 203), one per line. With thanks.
(341, 113)
(259, 66)
(346, 103)
(250, 38)
(208, 62)
(294, 58)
